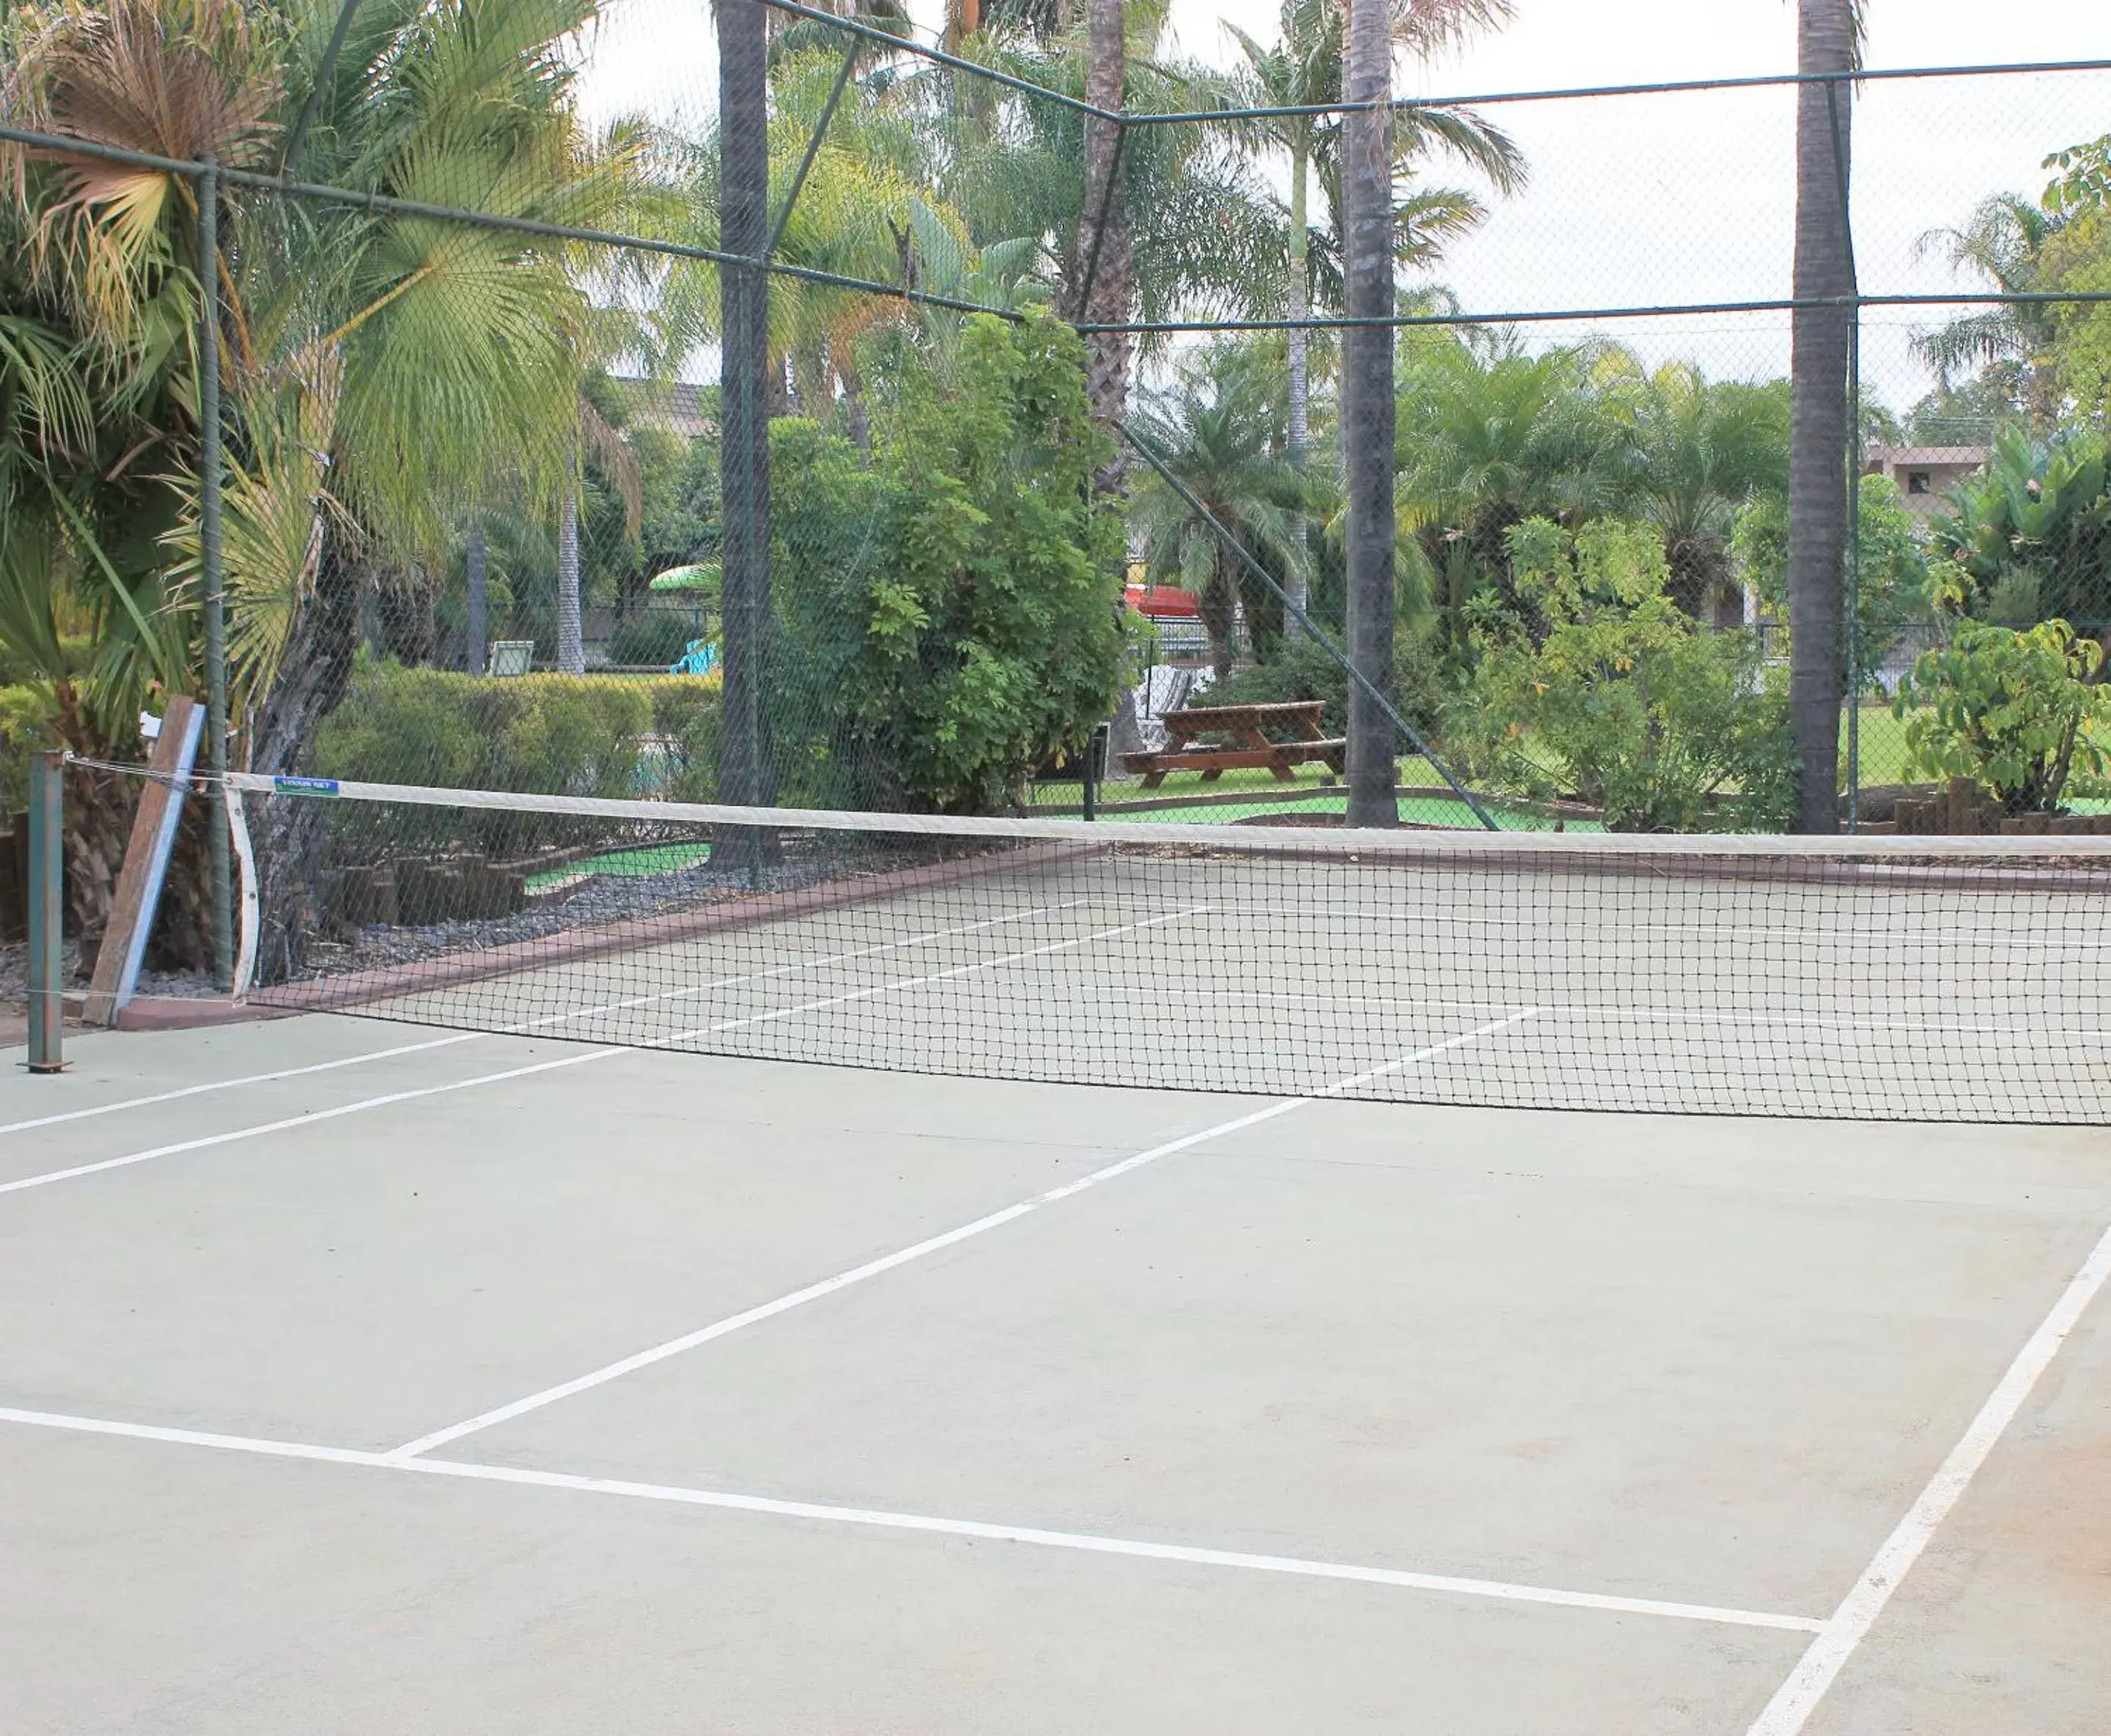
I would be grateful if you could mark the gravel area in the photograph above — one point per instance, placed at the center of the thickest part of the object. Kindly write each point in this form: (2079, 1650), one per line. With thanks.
(15, 978)
(598, 900)
(15, 973)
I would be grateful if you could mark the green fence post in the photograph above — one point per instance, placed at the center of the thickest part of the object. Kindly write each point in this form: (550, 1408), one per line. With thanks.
(211, 464)
(46, 912)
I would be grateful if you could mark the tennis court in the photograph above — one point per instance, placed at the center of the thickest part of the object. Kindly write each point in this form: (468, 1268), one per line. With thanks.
(368, 1375)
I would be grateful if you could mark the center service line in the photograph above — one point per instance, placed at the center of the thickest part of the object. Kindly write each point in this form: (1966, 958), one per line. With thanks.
(919, 1250)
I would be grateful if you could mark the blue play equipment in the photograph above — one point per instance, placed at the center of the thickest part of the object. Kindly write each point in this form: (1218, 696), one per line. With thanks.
(700, 658)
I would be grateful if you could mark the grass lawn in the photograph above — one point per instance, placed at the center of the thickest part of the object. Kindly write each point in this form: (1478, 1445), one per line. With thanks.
(1247, 791)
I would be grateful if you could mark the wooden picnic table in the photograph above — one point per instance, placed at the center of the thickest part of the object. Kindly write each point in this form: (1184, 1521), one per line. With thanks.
(1246, 742)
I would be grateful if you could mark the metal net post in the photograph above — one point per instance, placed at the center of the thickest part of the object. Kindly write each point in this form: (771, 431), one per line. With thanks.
(47, 911)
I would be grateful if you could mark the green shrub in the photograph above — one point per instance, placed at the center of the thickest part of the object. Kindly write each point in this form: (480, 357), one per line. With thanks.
(26, 710)
(547, 735)
(658, 636)
(1615, 696)
(2015, 713)
(686, 714)
(948, 602)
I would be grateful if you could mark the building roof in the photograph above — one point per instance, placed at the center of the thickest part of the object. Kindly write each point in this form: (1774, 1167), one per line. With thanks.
(1908, 457)
(680, 406)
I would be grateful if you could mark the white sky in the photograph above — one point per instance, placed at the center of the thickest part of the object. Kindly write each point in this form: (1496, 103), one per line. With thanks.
(1646, 200)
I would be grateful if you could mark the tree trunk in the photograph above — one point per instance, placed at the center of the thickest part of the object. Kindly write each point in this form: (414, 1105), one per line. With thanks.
(1103, 286)
(1367, 409)
(1218, 605)
(571, 643)
(1300, 307)
(1818, 436)
(290, 836)
(746, 774)
(476, 649)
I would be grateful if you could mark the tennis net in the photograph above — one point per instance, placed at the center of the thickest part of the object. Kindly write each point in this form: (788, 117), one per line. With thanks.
(1915, 979)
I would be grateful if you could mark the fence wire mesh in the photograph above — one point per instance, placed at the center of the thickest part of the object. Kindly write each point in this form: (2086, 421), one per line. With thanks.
(1053, 475)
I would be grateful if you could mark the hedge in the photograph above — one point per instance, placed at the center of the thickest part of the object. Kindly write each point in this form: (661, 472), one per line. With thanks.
(543, 734)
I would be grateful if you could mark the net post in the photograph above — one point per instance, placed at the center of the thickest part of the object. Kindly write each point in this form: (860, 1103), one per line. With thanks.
(212, 584)
(46, 910)
(1096, 768)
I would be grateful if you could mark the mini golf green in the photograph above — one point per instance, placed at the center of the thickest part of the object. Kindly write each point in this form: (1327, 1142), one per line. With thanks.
(641, 859)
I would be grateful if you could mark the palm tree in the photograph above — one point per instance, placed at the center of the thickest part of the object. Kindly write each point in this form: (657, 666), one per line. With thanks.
(1700, 452)
(1827, 38)
(380, 369)
(1203, 232)
(1103, 289)
(1367, 409)
(1303, 69)
(2003, 243)
(1490, 440)
(1218, 427)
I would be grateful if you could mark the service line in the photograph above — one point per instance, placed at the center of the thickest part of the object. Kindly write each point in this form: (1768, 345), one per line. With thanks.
(826, 1513)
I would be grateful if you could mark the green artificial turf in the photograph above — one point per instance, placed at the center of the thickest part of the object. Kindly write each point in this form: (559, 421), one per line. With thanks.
(645, 859)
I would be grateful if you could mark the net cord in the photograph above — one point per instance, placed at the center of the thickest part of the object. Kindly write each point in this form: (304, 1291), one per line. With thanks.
(1254, 840)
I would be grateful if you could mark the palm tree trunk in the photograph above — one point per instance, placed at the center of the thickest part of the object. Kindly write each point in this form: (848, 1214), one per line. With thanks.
(1366, 407)
(476, 653)
(1102, 254)
(571, 643)
(748, 384)
(1818, 435)
(1300, 307)
(292, 838)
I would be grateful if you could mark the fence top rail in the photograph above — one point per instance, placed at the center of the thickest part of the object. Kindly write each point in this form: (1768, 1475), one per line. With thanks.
(1552, 316)
(1673, 87)
(64, 145)
(61, 144)
(1477, 99)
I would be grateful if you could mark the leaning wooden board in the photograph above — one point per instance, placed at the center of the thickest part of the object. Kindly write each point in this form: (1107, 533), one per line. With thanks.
(146, 860)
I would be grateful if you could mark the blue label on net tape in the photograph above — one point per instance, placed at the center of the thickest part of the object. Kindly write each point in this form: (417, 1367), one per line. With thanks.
(306, 785)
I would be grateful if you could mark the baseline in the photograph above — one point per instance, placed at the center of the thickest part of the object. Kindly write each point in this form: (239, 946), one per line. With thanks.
(1092, 1543)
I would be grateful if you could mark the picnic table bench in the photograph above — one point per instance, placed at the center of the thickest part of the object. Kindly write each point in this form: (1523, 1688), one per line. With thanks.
(1246, 742)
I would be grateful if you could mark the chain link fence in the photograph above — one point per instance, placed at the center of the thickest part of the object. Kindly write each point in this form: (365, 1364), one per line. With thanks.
(925, 438)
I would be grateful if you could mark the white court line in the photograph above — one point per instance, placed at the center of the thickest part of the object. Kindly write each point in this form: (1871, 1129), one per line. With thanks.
(578, 1059)
(827, 1514)
(1790, 1710)
(1612, 1012)
(529, 1026)
(919, 1250)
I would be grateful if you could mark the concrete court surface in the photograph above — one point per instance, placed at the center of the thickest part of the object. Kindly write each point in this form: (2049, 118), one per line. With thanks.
(441, 1385)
